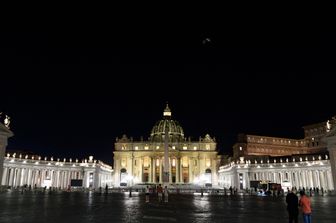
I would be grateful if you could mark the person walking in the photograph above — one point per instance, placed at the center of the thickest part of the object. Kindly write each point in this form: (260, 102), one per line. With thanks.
(306, 207)
(292, 206)
(159, 191)
(166, 194)
(147, 194)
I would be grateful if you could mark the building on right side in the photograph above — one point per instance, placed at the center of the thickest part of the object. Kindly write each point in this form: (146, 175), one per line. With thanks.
(292, 163)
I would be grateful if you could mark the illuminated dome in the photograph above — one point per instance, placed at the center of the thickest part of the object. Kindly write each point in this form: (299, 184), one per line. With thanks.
(175, 131)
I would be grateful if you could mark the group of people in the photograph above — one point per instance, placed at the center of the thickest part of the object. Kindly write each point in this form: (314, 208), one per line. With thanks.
(161, 193)
(293, 204)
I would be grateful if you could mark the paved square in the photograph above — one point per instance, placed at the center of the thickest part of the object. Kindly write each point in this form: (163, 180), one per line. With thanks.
(81, 207)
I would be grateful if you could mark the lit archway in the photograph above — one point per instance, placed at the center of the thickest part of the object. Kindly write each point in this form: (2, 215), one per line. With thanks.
(123, 177)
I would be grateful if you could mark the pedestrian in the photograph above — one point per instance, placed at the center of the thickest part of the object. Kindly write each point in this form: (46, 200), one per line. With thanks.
(305, 207)
(166, 194)
(292, 206)
(159, 191)
(147, 194)
(106, 189)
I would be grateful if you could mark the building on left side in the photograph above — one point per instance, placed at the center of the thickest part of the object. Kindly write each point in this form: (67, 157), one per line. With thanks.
(17, 170)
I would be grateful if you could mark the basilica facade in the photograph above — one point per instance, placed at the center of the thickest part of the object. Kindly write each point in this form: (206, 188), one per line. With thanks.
(142, 161)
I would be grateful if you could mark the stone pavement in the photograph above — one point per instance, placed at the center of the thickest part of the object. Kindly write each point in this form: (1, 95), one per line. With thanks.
(83, 207)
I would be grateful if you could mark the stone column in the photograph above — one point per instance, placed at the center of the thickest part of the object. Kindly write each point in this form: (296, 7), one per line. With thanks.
(153, 169)
(160, 170)
(141, 166)
(166, 166)
(170, 170)
(181, 171)
(5, 133)
(320, 176)
(18, 180)
(4, 176)
(177, 168)
(247, 180)
(191, 169)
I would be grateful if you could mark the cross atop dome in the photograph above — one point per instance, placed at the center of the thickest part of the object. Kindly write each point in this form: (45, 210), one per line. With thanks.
(167, 112)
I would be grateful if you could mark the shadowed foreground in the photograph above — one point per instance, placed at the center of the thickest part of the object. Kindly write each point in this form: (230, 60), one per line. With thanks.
(82, 207)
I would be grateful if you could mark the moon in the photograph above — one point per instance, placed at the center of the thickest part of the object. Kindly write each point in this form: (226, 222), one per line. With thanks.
(206, 40)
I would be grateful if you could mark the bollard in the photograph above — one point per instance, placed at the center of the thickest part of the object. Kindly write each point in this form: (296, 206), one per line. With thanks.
(130, 192)
(202, 192)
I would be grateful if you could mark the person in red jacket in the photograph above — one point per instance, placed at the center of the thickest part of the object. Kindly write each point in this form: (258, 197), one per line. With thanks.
(305, 207)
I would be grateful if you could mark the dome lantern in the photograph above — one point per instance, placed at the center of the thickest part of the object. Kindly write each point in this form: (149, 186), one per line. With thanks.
(167, 112)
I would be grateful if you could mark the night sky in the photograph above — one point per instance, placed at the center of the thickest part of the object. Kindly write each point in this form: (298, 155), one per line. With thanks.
(70, 93)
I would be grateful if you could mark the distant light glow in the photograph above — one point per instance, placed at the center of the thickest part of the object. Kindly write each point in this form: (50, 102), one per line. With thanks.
(328, 126)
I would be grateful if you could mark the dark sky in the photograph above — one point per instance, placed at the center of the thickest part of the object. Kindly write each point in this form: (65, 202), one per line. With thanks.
(70, 93)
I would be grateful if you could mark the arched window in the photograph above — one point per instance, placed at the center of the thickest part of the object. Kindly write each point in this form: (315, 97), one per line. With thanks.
(208, 177)
(123, 177)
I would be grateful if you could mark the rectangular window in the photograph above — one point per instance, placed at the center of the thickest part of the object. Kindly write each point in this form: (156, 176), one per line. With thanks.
(146, 162)
(123, 162)
(208, 162)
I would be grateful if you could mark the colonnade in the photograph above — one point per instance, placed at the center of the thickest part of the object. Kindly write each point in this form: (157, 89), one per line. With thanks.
(318, 176)
(17, 177)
